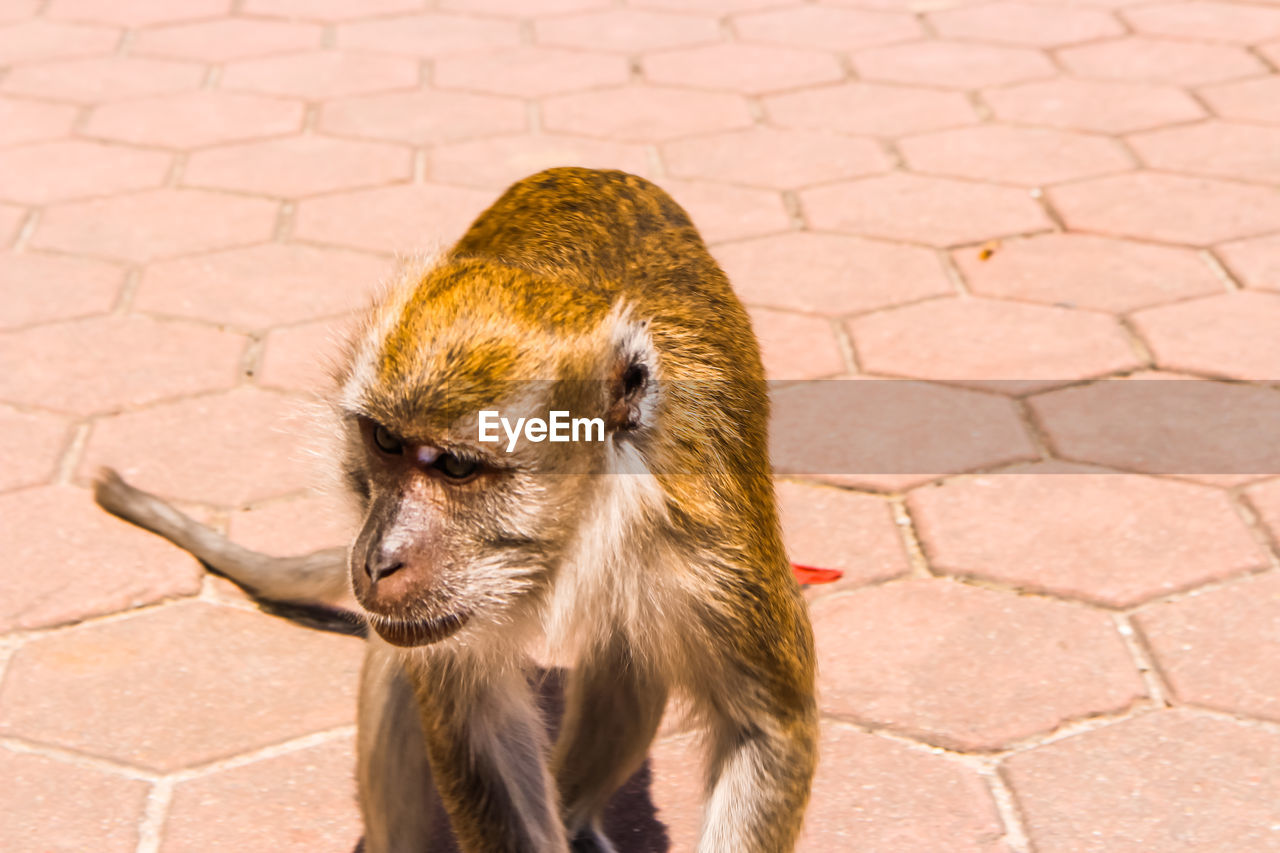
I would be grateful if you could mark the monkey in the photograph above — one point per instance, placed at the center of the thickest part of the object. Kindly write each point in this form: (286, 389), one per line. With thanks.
(651, 562)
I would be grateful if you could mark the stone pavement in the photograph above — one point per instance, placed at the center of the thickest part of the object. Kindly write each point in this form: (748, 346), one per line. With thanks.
(195, 194)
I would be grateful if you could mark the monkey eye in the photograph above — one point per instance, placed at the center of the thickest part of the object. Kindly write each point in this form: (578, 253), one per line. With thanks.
(387, 441)
(455, 467)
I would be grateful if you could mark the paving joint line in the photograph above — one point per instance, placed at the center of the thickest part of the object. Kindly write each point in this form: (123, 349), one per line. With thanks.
(154, 816)
(1006, 803)
(1143, 658)
(76, 758)
(909, 536)
(73, 453)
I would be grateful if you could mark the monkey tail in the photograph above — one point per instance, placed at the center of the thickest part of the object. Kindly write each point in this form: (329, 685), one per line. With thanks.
(296, 588)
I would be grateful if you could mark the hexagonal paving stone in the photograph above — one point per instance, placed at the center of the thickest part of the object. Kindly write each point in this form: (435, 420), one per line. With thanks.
(195, 119)
(729, 213)
(136, 13)
(224, 449)
(71, 560)
(920, 432)
(951, 65)
(796, 347)
(626, 30)
(1246, 100)
(91, 81)
(428, 35)
(1217, 648)
(1173, 780)
(1205, 20)
(155, 224)
(49, 804)
(298, 802)
(53, 171)
(330, 10)
(39, 288)
(1032, 24)
(423, 118)
(30, 446)
(1231, 335)
(835, 529)
(871, 793)
(841, 274)
(1169, 208)
(225, 39)
(301, 358)
(1014, 155)
(1185, 63)
(402, 219)
(750, 68)
(1103, 106)
(322, 74)
(968, 668)
(1086, 271)
(871, 108)
(934, 211)
(298, 166)
(826, 28)
(644, 113)
(1241, 151)
(32, 41)
(767, 157)
(1256, 262)
(524, 8)
(504, 160)
(530, 72)
(33, 121)
(149, 360)
(261, 286)
(296, 525)
(1116, 539)
(247, 681)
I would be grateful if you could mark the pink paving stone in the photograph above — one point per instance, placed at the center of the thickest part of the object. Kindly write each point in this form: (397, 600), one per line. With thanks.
(300, 802)
(423, 118)
(40, 39)
(729, 213)
(717, 7)
(40, 288)
(840, 274)
(226, 39)
(836, 529)
(522, 8)
(92, 81)
(329, 10)
(246, 680)
(261, 286)
(20, 10)
(1217, 148)
(296, 525)
(195, 119)
(871, 793)
(322, 74)
(1217, 648)
(155, 224)
(871, 108)
(1103, 106)
(136, 13)
(78, 561)
(626, 30)
(30, 446)
(825, 27)
(1007, 347)
(428, 35)
(1247, 100)
(402, 219)
(952, 65)
(796, 347)
(225, 449)
(530, 72)
(644, 113)
(748, 68)
(1173, 780)
(149, 360)
(51, 805)
(1035, 25)
(298, 166)
(10, 219)
(916, 208)
(968, 668)
(1185, 63)
(1265, 500)
(1205, 20)
(33, 121)
(45, 172)
(1232, 335)
(767, 157)
(1114, 539)
(1255, 262)
(921, 431)
(504, 160)
(1087, 271)
(1168, 208)
(1014, 155)
(302, 357)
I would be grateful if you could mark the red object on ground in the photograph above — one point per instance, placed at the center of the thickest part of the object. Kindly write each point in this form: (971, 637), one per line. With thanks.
(808, 574)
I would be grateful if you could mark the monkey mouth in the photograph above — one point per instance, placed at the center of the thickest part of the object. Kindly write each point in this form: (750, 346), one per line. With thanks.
(417, 632)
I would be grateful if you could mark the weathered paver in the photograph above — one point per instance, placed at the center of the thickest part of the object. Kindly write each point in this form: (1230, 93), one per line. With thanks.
(1227, 335)
(825, 527)
(69, 287)
(422, 118)
(1102, 106)
(31, 445)
(796, 347)
(195, 119)
(782, 159)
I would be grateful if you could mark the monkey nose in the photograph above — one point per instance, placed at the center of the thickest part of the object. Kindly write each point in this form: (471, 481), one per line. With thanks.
(381, 567)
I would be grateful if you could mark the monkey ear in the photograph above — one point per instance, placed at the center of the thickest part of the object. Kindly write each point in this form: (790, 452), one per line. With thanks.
(631, 376)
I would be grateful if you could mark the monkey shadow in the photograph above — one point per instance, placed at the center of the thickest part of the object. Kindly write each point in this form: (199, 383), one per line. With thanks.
(630, 820)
